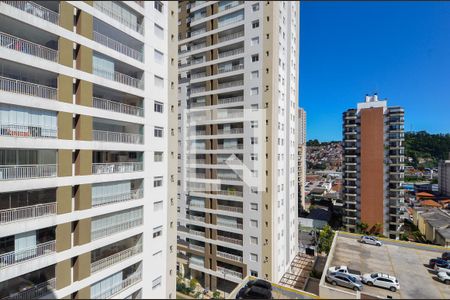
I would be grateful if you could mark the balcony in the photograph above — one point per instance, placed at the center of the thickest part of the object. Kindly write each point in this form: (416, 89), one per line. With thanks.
(23, 255)
(197, 247)
(115, 258)
(229, 240)
(230, 68)
(229, 5)
(110, 199)
(119, 47)
(28, 131)
(230, 193)
(27, 47)
(116, 14)
(230, 208)
(229, 272)
(117, 288)
(230, 100)
(119, 77)
(230, 225)
(198, 75)
(231, 52)
(119, 167)
(231, 36)
(229, 256)
(16, 172)
(117, 137)
(198, 46)
(27, 212)
(198, 31)
(27, 88)
(115, 228)
(198, 61)
(198, 90)
(230, 84)
(232, 130)
(35, 292)
(115, 106)
(230, 19)
(196, 232)
(235, 146)
(195, 218)
(36, 10)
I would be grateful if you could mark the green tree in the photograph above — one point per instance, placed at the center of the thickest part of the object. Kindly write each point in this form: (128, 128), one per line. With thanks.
(193, 284)
(325, 239)
(216, 295)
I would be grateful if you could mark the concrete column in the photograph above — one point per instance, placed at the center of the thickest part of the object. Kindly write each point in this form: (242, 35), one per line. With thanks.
(83, 130)
(82, 233)
(82, 267)
(84, 293)
(65, 123)
(83, 162)
(66, 15)
(65, 88)
(65, 51)
(83, 197)
(62, 274)
(63, 236)
(64, 199)
(64, 163)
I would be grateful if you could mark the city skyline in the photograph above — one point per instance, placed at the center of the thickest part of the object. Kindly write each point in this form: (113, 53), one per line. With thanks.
(406, 65)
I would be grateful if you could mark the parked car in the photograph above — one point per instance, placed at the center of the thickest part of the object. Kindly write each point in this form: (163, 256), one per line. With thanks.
(445, 267)
(254, 292)
(345, 270)
(381, 280)
(437, 261)
(260, 283)
(344, 280)
(444, 277)
(446, 255)
(371, 240)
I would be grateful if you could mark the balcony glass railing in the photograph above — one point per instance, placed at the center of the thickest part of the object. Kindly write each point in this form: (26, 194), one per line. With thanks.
(24, 46)
(228, 21)
(198, 46)
(231, 52)
(230, 100)
(23, 255)
(197, 32)
(230, 208)
(195, 218)
(27, 131)
(115, 289)
(115, 228)
(198, 75)
(230, 84)
(15, 172)
(198, 90)
(117, 137)
(36, 10)
(119, 77)
(27, 88)
(115, 12)
(27, 212)
(117, 46)
(115, 258)
(230, 68)
(35, 292)
(106, 104)
(110, 199)
(232, 130)
(230, 225)
(120, 167)
(231, 36)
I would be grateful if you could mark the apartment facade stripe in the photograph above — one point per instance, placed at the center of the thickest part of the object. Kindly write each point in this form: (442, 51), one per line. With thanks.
(87, 143)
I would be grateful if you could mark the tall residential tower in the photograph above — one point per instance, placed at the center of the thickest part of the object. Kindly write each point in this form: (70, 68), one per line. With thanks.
(238, 111)
(444, 177)
(301, 157)
(88, 149)
(373, 166)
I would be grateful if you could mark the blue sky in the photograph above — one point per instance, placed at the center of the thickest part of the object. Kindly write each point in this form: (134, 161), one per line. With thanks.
(401, 50)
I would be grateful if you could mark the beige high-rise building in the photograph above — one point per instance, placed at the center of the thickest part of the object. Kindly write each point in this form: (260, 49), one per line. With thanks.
(88, 148)
(444, 177)
(301, 157)
(238, 140)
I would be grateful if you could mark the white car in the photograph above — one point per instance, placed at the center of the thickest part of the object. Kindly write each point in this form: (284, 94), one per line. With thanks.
(381, 280)
(370, 240)
(442, 269)
(444, 277)
(345, 270)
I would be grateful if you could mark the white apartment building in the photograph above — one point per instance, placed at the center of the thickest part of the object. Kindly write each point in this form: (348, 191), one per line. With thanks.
(238, 77)
(87, 149)
(301, 157)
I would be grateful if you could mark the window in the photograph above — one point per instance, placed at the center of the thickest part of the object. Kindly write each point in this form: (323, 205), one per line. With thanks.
(159, 56)
(255, 41)
(254, 206)
(253, 273)
(159, 81)
(158, 107)
(157, 231)
(254, 156)
(255, 24)
(253, 240)
(158, 132)
(157, 181)
(253, 124)
(156, 283)
(253, 140)
(254, 74)
(158, 6)
(254, 106)
(255, 58)
(157, 206)
(253, 257)
(254, 223)
(158, 156)
(255, 7)
(254, 91)
(158, 31)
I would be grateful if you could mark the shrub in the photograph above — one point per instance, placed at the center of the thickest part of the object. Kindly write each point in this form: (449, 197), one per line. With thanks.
(325, 239)
(216, 295)
(193, 283)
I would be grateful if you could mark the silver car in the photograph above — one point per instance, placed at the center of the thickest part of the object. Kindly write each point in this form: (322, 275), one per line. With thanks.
(345, 280)
(370, 240)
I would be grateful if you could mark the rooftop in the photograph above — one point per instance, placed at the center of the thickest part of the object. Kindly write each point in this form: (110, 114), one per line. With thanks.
(424, 195)
(396, 258)
(431, 203)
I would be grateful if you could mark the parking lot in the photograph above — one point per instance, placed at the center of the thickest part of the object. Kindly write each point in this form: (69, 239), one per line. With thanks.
(408, 264)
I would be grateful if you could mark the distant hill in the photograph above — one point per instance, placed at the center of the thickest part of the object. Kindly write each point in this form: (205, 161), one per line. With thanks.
(423, 145)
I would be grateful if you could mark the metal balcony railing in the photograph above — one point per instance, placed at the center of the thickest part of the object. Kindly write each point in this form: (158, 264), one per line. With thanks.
(110, 199)
(27, 47)
(106, 104)
(27, 131)
(230, 68)
(229, 272)
(27, 212)
(195, 218)
(230, 100)
(229, 240)
(27, 88)
(35, 292)
(198, 90)
(115, 258)
(197, 32)
(232, 130)
(198, 75)
(117, 46)
(121, 167)
(230, 193)
(231, 52)
(115, 228)
(36, 10)
(230, 84)
(15, 172)
(195, 232)
(229, 5)
(119, 77)
(198, 61)
(196, 247)
(117, 137)
(113, 14)
(228, 177)
(229, 256)
(230, 208)
(223, 146)
(231, 36)
(231, 225)
(198, 46)
(115, 289)
(229, 21)
(20, 256)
